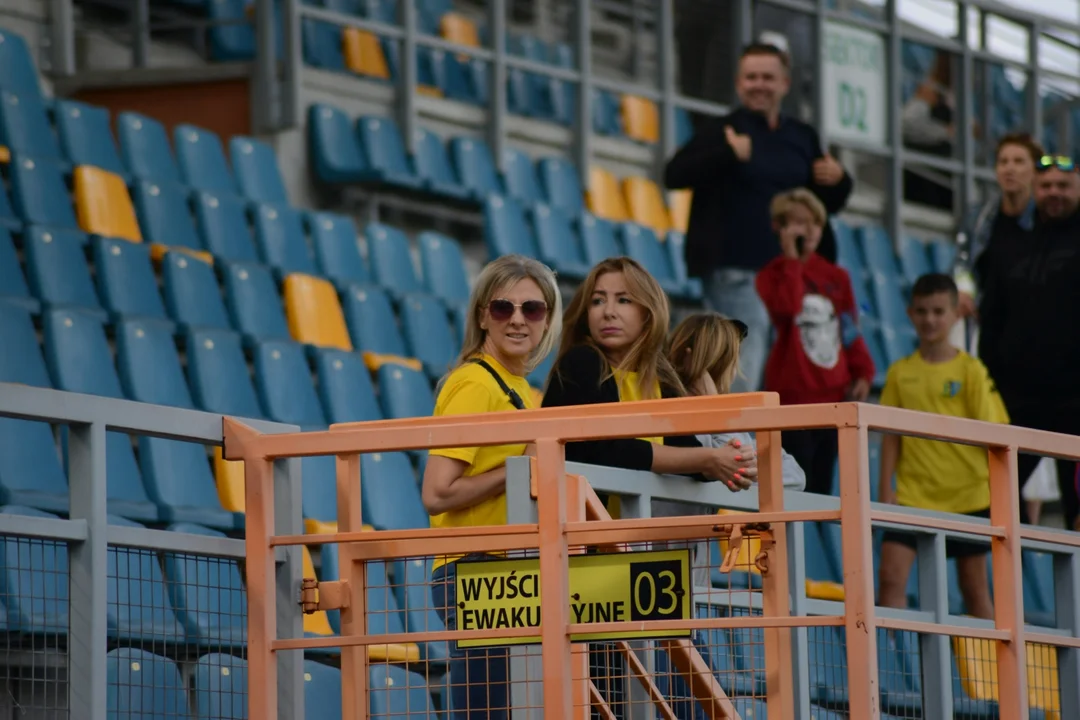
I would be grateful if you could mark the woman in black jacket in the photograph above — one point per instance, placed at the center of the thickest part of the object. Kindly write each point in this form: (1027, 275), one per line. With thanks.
(612, 350)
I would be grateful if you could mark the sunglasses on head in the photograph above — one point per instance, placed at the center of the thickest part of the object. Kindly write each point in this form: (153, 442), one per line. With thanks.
(742, 327)
(1061, 162)
(532, 310)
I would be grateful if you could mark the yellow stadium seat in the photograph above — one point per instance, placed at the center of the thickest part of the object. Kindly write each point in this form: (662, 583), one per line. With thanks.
(314, 312)
(374, 361)
(229, 475)
(641, 119)
(679, 208)
(103, 204)
(824, 590)
(157, 252)
(429, 90)
(604, 197)
(363, 53)
(459, 29)
(316, 623)
(5, 155)
(976, 661)
(646, 205)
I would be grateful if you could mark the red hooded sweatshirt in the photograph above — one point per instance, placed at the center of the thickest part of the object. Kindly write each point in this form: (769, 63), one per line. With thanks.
(819, 350)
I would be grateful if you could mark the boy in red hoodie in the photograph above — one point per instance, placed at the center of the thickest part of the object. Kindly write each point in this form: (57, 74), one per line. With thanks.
(819, 355)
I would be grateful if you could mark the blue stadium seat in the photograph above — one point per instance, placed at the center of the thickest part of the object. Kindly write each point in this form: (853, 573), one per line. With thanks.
(607, 113)
(562, 185)
(125, 279)
(208, 594)
(139, 607)
(433, 166)
(218, 373)
(334, 149)
(391, 259)
(562, 94)
(827, 656)
(257, 171)
(283, 378)
(201, 159)
(25, 128)
(519, 174)
(404, 392)
(676, 244)
(898, 336)
(279, 234)
(383, 613)
(345, 386)
(684, 129)
(144, 145)
(8, 218)
(34, 580)
(391, 493)
(322, 690)
(13, 287)
(644, 246)
(412, 589)
(165, 215)
(322, 44)
(39, 194)
(943, 255)
(191, 291)
(397, 693)
(20, 75)
(558, 242)
(385, 150)
(426, 327)
(235, 40)
(223, 223)
(598, 237)
(80, 361)
(143, 686)
(1039, 601)
(443, 267)
(914, 258)
(538, 377)
(57, 270)
(372, 327)
(177, 474)
(848, 255)
(86, 136)
(900, 693)
(337, 252)
(475, 167)
(30, 470)
(460, 314)
(221, 687)
(253, 302)
(505, 230)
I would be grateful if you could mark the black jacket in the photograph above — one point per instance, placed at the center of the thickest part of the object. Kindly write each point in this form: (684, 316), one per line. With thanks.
(1029, 315)
(575, 380)
(729, 218)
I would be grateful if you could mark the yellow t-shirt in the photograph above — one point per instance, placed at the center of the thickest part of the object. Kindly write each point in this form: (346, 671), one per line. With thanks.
(467, 390)
(630, 390)
(938, 475)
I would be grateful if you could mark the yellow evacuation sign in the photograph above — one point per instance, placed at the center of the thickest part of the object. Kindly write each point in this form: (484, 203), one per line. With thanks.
(613, 587)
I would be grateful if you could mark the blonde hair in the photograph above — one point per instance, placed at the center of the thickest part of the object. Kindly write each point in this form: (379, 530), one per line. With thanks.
(706, 343)
(782, 204)
(646, 354)
(499, 275)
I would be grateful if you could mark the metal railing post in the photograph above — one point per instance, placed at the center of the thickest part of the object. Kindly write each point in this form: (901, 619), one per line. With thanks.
(88, 561)
(666, 53)
(497, 109)
(62, 37)
(288, 499)
(583, 123)
(406, 91)
(291, 113)
(894, 193)
(264, 93)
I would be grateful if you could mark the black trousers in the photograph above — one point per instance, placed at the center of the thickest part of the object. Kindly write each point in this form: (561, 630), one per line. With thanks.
(815, 451)
(1059, 417)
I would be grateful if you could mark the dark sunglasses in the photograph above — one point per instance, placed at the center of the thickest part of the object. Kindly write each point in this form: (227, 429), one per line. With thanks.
(531, 310)
(742, 327)
(1061, 162)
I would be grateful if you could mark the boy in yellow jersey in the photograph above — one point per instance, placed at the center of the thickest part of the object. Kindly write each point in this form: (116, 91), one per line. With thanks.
(930, 474)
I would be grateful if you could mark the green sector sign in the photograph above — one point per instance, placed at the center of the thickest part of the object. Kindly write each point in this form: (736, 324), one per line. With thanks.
(855, 84)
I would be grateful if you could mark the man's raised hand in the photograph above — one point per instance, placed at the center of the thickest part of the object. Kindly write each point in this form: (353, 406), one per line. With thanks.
(740, 144)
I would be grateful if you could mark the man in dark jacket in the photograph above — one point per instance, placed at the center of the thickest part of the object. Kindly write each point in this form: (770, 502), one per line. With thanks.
(736, 165)
(1030, 320)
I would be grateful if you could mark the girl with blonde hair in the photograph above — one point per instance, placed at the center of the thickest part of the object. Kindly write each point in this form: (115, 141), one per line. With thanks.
(612, 350)
(704, 350)
(509, 330)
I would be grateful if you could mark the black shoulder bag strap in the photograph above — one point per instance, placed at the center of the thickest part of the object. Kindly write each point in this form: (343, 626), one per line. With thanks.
(515, 399)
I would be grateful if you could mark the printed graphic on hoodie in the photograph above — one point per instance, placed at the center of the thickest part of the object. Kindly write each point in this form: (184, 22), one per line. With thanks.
(819, 330)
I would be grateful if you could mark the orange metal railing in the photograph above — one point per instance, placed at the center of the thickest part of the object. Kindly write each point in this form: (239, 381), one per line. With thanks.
(570, 518)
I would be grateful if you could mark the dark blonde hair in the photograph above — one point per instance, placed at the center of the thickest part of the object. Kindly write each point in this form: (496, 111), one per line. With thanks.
(499, 275)
(646, 355)
(706, 344)
(781, 205)
(1022, 140)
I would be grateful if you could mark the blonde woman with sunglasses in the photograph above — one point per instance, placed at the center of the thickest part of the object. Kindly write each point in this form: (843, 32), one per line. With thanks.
(509, 330)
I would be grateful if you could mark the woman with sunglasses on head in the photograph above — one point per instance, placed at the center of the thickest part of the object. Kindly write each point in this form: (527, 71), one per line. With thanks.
(508, 331)
(612, 350)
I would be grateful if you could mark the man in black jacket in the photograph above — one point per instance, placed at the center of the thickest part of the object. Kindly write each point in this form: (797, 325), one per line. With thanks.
(736, 165)
(1029, 320)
